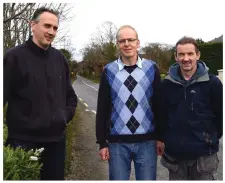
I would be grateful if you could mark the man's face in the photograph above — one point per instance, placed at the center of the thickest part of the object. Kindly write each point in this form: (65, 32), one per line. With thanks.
(187, 57)
(128, 43)
(45, 29)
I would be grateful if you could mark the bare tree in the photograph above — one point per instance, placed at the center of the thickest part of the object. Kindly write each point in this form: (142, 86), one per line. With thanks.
(15, 23)
(106, 33)
(101, 49)
(65, 42)
(14, 15)
(104, 40)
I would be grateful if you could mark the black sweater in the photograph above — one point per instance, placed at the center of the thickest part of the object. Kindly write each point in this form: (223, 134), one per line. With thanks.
(38, 90)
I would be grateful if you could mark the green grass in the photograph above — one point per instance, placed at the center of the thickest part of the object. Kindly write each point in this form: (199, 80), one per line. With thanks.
(73, 79)
(96, 80)
(162, 76)
(70, 135)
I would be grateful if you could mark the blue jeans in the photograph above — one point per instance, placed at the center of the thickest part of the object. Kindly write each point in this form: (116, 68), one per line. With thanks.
(143, 154)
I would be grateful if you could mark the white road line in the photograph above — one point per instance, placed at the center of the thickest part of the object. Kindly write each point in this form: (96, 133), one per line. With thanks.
(89, 86)
(86, 110)
(85, 104)
(93, 111)
(80, 99)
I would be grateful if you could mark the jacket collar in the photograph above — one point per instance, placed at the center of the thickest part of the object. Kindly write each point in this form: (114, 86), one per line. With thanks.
(36, 48)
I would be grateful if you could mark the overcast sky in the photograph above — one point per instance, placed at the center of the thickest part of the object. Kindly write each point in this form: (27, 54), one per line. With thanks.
(163, 21)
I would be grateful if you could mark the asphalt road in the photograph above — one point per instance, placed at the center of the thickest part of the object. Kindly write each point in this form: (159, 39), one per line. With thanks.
(87, 92)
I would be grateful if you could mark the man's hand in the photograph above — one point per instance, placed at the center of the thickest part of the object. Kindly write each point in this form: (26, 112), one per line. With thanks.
(104, 153)
(160, 148)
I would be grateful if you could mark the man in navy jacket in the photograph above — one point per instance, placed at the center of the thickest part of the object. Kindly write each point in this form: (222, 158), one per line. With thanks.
(192, 116)
(41, 100)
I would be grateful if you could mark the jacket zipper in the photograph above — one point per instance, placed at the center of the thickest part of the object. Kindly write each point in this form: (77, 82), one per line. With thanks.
(185, 97)
(47, 83)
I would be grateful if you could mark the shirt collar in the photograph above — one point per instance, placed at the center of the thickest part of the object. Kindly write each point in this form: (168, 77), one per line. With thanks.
(121, 64)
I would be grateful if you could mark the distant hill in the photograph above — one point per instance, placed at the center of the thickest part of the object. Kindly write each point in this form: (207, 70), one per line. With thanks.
(219, 39)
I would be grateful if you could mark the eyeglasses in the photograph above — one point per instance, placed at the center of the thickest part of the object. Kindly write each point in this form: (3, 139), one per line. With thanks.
(129, 40)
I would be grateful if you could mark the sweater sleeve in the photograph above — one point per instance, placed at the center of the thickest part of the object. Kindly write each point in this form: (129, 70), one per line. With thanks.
(163, 108)
(156, 102)
(103, 110)
(9, 75)
(217, 104)
(71, 97)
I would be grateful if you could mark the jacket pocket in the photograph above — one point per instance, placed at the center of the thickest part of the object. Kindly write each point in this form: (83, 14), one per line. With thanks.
(169, 162)
(208, 163)
(59, 120)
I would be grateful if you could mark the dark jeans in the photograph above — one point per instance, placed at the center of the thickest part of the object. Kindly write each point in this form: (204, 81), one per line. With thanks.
(53, 156)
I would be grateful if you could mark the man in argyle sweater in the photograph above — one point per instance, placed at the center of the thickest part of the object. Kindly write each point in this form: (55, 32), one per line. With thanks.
(127, 111)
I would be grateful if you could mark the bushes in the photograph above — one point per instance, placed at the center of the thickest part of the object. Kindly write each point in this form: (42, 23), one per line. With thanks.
(5, 133)
(212, 55)
(93, 77)
(20, 164)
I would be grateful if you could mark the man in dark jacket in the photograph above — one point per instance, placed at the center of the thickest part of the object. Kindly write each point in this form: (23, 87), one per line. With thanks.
(41, 100)
(192, 113)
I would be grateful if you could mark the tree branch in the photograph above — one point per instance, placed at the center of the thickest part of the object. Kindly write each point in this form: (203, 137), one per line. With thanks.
(16, 15)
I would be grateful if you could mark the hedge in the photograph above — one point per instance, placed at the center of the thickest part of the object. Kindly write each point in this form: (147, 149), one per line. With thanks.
(25, 165)
(212, 55)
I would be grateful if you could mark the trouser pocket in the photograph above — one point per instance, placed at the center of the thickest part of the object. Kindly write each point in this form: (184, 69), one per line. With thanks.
(208, 163)
(169, 162)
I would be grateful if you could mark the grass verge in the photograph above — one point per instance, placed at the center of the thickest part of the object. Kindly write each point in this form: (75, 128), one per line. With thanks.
(70, 135)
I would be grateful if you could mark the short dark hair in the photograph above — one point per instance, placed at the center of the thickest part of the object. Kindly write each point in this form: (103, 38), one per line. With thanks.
(41, 10)
(188, 40)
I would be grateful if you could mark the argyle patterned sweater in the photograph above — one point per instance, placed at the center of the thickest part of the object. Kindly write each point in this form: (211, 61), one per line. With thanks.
(127, 109)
